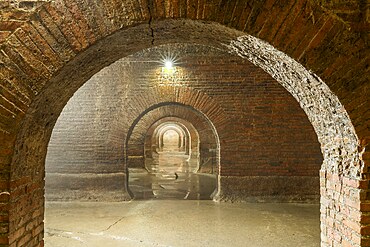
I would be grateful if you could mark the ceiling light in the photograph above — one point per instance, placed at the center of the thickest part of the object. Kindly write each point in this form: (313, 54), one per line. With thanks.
(168, 64)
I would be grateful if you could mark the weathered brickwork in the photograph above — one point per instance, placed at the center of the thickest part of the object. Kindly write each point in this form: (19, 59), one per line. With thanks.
(355, 13)
(64, 43)
(320, 104)
(262, 131)
(339, 143)
(202, 136)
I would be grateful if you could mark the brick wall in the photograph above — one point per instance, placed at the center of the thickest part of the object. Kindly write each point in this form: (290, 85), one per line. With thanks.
(63, 44)
(262, 133)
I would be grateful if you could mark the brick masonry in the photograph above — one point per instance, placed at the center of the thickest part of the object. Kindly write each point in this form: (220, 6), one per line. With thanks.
(262, 131)
(143, 137)
(62, 44)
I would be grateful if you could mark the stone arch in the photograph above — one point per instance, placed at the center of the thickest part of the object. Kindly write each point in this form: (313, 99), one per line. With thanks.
(198, 148)
(27, 80)
(312, 78)
(197, 113)
(142, 146)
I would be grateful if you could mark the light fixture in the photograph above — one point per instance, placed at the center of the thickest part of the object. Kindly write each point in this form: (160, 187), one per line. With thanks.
(168, 68)
(168, 64)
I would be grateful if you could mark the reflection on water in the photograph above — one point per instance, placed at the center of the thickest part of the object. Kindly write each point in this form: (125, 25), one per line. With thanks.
(171, 175)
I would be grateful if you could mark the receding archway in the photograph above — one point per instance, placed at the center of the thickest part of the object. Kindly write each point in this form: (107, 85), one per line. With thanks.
(171, 138)
(191, 146)
(183, 136)
(329, 118)
(179, 166)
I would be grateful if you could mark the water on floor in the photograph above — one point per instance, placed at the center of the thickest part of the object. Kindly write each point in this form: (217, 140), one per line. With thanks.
(179, 223)
(171, 175)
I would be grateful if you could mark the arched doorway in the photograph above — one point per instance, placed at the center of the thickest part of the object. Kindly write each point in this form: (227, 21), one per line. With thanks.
(172, 172)
(171, 140)
(229, 125)
(42, 120)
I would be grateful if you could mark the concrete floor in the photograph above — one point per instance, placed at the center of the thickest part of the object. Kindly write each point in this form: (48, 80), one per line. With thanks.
(181, 223)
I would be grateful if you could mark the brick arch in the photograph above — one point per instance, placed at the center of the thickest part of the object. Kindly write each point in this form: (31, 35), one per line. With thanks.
(34, 74)
(37, 130)
(149, 119)
(190, 142)
(312, 33)
(150, 116)
(176, 128)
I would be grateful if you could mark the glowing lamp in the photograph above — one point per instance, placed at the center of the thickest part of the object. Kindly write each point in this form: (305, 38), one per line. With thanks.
(168, 64)
(168, 68)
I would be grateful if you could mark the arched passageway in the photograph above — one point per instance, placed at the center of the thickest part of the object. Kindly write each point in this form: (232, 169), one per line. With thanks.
(172, 172)
(171, 139)
(171, 136)
(189, 144)
(237, 180)
(45, 61)
(228, 134)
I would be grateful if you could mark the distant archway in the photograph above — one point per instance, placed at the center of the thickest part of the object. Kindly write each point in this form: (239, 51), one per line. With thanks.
(154, 133)
(190, 143)
(171, 137)
(27, 134)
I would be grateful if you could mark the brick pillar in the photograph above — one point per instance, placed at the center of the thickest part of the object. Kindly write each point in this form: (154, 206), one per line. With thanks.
(365, 202)
(6, 149)
(26, 212)
(343, 210)
(4, 209)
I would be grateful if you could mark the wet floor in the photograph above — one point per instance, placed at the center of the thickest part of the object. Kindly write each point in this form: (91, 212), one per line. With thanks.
(171, 175)
(181, 223)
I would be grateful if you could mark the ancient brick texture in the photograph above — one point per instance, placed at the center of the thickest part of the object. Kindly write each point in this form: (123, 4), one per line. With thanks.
(262, 131)
(204, 142)
(47, 54)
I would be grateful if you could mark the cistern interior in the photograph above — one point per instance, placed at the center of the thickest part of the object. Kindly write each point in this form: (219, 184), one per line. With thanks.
(184, 123)
(212, 138)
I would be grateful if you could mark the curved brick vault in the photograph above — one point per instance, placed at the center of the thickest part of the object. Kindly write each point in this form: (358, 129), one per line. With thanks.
(57, 48)
(190, 144)
(144, 133)
(253, 104)
(182, 133)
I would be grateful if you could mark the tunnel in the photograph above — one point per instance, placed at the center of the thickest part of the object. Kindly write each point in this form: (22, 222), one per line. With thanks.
(184, 123)
(210, 132)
